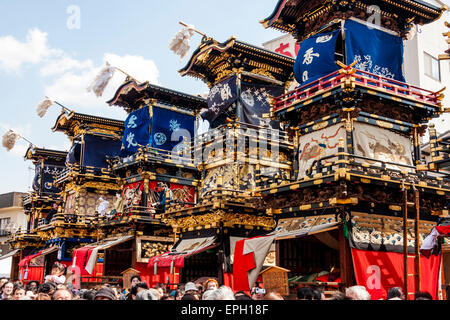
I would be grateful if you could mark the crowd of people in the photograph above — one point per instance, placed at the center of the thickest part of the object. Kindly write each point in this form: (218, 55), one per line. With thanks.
(57, 287)
(210, 290)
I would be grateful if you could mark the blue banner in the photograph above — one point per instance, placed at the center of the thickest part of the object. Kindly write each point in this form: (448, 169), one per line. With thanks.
(169, 128)
(376, 51)
(255, 103)
(74, 154)
(136, 131)
(45, 176)
(315, 58)
(96, 149)
(220, 97)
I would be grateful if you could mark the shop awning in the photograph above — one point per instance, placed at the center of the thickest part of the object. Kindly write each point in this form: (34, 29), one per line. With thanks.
(26, 261)
(184, 249)
(108, 243)
(9, 254)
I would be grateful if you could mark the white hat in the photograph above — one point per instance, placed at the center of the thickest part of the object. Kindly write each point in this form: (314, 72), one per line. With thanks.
(190, 286)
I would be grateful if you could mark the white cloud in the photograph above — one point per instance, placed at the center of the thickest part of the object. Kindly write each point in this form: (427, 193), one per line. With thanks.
(70, 89)
(64, 64)
(14, 53)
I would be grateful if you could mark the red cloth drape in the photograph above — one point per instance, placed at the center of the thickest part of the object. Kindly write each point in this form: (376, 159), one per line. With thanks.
(380, 271)
(81, 256)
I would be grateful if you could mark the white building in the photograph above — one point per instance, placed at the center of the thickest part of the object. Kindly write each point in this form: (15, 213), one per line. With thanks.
(12, 217)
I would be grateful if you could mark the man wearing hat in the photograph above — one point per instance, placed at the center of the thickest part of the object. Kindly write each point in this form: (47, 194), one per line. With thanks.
(105, 293)
(164, 194)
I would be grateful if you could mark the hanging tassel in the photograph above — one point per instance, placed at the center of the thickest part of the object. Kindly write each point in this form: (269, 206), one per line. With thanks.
(102, 80)
(180, 42)
(9, 139)
(43, 107)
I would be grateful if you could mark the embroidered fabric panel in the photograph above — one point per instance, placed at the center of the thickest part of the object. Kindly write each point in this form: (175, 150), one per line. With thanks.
(220, 97)
(319, 144)
(89, 201)
(376, 51)
(132, 194)
(292, 224)
(383, 233)
(382, 144)
(315, 59)
(136, 131)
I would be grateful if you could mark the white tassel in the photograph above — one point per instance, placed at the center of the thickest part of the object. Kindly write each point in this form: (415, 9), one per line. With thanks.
(9, 139)
(101, 81)
(180, 43)
(43, 107)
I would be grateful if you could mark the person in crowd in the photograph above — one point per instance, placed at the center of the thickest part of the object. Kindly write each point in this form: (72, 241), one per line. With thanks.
(57, 274)
(338, 295)
(3, 280)
(88, 294)
(7, 291)
(167, 297)
(207, 293)
(422, 295)
(258, 293)
(306, 293)
(148, 294)
(161, 289)
(273, 295)
(241, 295)
(62, 294)
(32, 286)
(211, 284)
(190, 288)
(164, 194)
(395, 293)
(357, 293)
(189, 296)
(47, 288)
(117, 289)
(223, 293)
(18, 292)
(51, 213)
(179, 293)
(105, 293)
(136, 289)
(42, 296)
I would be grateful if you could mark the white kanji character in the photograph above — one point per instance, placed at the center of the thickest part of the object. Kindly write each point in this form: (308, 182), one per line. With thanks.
(225, 92)
(309, 56)
(305, 76)
(130, 140)
(131, 122)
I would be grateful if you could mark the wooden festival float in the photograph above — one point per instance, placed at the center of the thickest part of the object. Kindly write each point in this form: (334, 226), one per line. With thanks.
(235, 150)
(360, 199)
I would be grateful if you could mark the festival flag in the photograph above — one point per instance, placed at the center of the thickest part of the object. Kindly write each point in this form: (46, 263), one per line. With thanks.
(430, 243)
(220, 97)
(9, 139)
(180, 42)
(102, 80)
(136, 132)
(375, 51)
(315, 58)
(43, 107)
(249, 256)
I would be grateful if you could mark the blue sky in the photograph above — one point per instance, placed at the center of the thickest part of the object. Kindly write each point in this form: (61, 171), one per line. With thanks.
(40, 55)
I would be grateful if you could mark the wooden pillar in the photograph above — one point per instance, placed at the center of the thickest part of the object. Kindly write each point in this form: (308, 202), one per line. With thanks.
(345, 257)
(417, 237)
(405, 241)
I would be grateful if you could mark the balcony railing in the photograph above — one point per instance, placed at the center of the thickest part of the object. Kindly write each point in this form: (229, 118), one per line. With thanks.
(358, 77)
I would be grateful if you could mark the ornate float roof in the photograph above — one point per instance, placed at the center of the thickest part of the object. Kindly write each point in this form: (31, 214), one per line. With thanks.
(71, 123)
(35, 153)
(293, 15)
(212, 61)
(131, 95)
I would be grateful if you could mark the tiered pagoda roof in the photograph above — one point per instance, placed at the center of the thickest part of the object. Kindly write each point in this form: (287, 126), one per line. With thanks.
(212, 61)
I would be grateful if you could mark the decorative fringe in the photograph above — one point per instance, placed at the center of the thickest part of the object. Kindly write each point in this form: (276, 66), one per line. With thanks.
(9, 139)
(180, 43)
(102, 80)
(43, 107)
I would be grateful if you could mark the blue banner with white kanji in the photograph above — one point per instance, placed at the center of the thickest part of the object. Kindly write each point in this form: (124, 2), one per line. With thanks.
(170, 129)
(220, 97)
(45, 175)
(376, 51)
(315, 58)
(136, 131)
(255, 103)
(98, 149)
